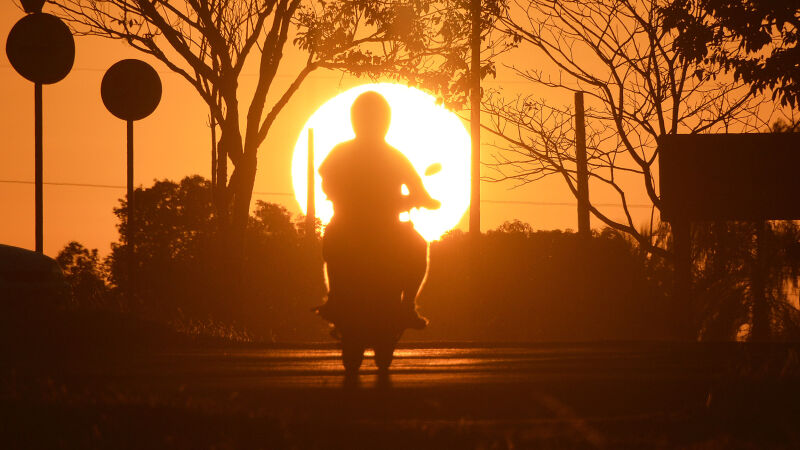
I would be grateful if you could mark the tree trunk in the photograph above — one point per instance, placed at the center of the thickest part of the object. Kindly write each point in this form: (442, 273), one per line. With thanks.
(241, 186)
(242, 182)
(221, 197)
(223, 259)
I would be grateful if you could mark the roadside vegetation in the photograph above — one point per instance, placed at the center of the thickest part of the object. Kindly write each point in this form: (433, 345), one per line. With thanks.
(533, 286)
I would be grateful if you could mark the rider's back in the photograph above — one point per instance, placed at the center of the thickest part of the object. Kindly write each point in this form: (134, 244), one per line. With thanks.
(373, 261)
(363, 179)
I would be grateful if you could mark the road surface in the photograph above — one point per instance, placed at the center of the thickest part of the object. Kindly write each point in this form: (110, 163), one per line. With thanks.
(436, 396)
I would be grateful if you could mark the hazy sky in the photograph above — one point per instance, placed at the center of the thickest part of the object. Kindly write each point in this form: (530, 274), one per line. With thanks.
(84, 143)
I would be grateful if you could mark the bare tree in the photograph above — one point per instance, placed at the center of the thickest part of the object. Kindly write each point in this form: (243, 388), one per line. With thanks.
(207, 42)
(637, 88)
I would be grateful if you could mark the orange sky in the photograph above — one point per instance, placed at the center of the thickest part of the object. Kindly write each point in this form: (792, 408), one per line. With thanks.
(83, 143)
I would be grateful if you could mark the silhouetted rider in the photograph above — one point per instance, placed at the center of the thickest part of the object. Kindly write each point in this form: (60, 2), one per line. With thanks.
(364, 178)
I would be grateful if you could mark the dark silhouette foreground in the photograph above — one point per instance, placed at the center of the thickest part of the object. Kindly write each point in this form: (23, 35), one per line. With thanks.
(375, 263)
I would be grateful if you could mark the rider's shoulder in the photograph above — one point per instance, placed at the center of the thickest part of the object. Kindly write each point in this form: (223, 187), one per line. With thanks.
(344, 146)
(398, 157)
(339, 152)
(395, 152)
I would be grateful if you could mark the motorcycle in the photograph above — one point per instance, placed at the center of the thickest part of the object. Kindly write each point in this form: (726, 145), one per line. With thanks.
(368, 311)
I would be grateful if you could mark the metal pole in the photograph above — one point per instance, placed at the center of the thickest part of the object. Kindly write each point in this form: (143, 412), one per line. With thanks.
(131, 214)
(38, 167)
(759, 331)
(311, 212)
(213, 154)
(684, 314)
(584, 229)
(475, 119)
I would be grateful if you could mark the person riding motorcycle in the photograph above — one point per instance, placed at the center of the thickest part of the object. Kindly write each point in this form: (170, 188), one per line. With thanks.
(365, 239)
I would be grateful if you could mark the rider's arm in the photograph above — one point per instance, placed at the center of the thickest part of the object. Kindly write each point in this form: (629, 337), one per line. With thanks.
(417, 192)
(326, 169)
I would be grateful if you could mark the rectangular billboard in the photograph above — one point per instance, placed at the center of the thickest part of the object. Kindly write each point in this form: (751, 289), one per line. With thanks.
(729, 176)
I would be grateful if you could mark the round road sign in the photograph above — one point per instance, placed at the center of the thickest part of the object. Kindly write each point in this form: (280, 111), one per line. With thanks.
(131, 89)
(41, 48)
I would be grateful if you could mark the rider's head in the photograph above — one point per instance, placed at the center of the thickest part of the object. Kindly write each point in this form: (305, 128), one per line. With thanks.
(370, 115)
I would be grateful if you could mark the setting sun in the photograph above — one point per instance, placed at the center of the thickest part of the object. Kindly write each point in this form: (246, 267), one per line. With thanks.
(425, 132)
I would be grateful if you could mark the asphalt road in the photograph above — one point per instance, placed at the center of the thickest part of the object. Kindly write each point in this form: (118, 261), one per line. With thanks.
(436, 396)
(427, 367)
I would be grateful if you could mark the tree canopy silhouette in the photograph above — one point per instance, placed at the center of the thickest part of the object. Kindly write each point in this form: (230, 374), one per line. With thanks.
(177, 263)
(85, 275)
(528, 290)
(755, 39)
(208, 43)
(637, 88)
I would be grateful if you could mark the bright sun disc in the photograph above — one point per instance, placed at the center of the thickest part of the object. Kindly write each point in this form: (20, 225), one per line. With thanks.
(425, 132)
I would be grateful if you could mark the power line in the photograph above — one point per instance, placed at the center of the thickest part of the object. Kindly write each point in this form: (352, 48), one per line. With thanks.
(526, 202)
(108, 186)
(313, 77)
(290, 194)
(114, 186)
(169, 72)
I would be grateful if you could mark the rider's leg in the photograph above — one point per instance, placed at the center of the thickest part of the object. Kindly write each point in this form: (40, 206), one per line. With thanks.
(331, 255)
(415, 272)
(415, 263)
(415, 278)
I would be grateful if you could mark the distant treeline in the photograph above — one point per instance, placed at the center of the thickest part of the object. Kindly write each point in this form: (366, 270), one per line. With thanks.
(523, 285)
(514, 284)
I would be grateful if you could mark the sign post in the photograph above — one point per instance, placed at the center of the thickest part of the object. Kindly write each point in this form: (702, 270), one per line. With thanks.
(38, 169)
(131, 90)
(40, 47)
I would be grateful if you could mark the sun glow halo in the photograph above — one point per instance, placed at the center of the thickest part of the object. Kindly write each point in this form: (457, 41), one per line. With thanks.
(425, 132)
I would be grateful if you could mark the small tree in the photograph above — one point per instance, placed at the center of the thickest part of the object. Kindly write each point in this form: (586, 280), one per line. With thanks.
(84, 274)
(176, 255)
(726, 260)
(174, 245)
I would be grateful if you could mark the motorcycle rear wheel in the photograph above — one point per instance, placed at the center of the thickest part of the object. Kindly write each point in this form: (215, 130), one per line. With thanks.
(384, 352)
(352, 354)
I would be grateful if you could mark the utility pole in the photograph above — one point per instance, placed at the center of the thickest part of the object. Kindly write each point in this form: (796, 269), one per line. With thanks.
(584, 229)
(213, 125)
(475, 119)
(311, 213)
(40, 47)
